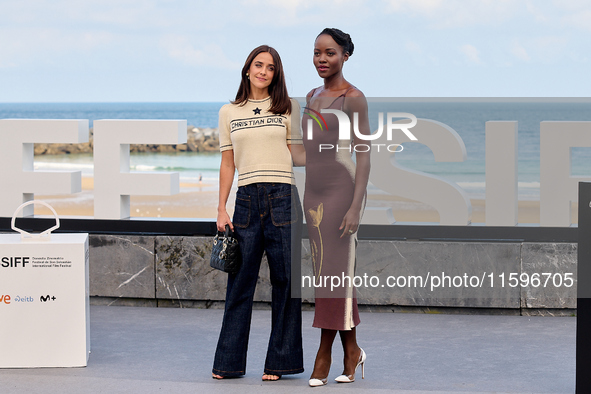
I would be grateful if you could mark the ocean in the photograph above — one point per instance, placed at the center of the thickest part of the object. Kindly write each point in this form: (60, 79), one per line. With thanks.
(467, 117)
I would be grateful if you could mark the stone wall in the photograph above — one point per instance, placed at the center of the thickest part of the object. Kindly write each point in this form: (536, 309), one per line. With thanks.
(168, 270)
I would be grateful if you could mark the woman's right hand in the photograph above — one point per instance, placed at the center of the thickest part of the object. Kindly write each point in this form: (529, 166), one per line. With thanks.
(223, 219)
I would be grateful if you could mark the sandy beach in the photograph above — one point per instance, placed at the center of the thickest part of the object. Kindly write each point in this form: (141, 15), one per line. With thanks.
(200, 201)
(194, 201)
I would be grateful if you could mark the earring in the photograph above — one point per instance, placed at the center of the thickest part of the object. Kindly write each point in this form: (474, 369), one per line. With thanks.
(247, 75)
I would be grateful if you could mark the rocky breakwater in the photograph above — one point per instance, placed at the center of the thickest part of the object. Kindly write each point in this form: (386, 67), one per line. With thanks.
(198, 140)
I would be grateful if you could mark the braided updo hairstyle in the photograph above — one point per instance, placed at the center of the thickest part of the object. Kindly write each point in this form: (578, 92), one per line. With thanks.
(341, 38)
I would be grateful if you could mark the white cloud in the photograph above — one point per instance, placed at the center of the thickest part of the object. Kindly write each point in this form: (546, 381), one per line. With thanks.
(181, 49)
(457, 13)
(418, 55)
(580, 20)
(535, 11)
(471, 53)
(42, 45)
(306, 13)
(572, 5)
(519, 52)
(426, 7)
(413, 47)
(176, 39)
(550, 48)
(291, 6)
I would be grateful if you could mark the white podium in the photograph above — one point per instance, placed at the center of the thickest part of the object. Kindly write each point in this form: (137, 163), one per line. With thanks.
(44, 299)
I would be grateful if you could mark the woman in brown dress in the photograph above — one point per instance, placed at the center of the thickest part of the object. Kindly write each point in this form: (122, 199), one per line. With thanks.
(334, 200)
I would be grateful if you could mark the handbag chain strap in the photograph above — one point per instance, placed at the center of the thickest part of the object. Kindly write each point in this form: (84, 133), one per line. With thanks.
(223, 251)
(225, 242)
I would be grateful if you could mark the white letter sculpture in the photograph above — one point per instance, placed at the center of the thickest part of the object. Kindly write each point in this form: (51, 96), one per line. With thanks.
(557, 187)
(447, 198)
(19, 180)
(113, 182)
(501, 173)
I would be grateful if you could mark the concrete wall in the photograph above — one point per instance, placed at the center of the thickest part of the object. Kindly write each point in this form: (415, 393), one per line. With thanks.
(173, 271)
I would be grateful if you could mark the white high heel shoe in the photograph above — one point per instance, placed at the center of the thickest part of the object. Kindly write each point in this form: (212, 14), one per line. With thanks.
(351, 378)
(319, 382)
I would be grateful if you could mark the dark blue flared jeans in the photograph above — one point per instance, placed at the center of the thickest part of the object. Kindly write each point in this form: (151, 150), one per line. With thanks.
(267, 218)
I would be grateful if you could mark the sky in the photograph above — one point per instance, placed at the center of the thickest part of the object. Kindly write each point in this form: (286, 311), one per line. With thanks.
(192, 51)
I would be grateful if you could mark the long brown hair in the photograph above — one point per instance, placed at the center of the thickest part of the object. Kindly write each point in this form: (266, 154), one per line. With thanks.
(280, 103)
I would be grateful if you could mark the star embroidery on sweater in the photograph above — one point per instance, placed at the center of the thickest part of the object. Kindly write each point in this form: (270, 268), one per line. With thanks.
(257, 111)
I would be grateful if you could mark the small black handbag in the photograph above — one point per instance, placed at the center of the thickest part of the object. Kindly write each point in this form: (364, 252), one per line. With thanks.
(225, 253)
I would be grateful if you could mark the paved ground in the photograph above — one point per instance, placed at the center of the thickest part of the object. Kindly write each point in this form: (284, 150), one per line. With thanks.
(161, 350)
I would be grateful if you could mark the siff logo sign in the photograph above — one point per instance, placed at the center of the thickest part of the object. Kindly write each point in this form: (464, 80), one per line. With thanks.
(345, 129)
(13, 262)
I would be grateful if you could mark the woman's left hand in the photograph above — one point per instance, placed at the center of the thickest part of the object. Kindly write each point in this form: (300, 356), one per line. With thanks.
(350, 222)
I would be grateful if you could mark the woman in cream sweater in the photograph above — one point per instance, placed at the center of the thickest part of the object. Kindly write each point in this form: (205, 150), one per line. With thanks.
(256, 135)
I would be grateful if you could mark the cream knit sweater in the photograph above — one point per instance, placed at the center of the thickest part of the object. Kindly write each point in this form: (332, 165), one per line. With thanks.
(259, 140)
